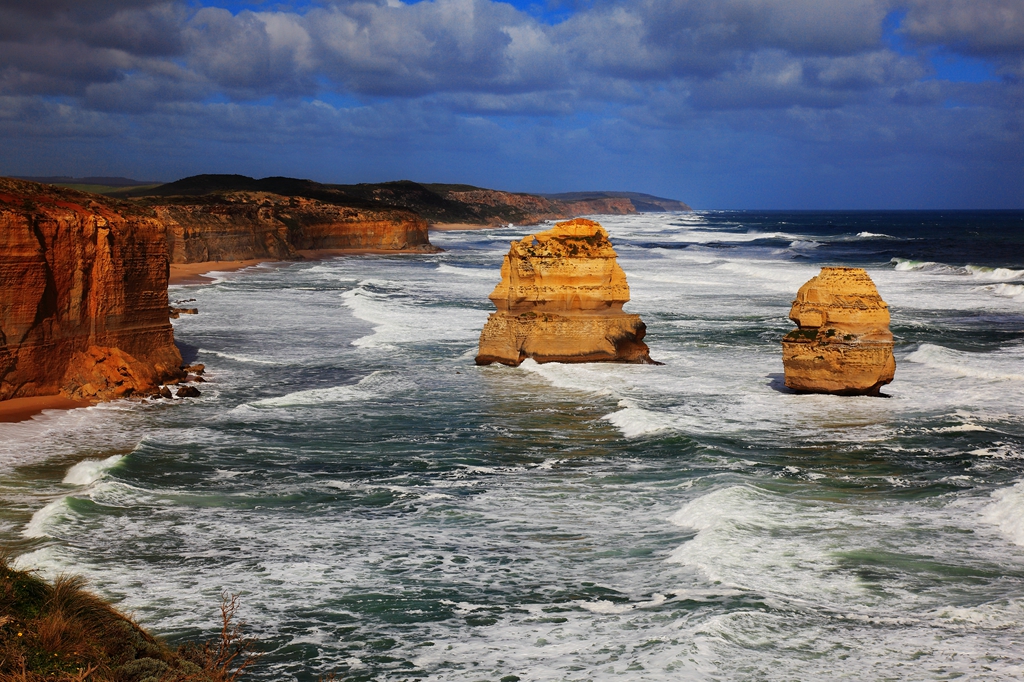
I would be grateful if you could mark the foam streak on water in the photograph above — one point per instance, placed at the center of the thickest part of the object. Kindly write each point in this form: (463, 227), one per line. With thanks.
(388, 510)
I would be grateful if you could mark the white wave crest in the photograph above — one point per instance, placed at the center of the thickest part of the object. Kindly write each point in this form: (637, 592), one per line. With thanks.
(603, 606)
(397, 321)
(1014, 291)
(595, 379)
(907, 265)
(998, 366)
(376, 385)
(1007, 512)
(994, 274)
(804, 244)
(978, 272)
(874, 235)
(89, 471)
(482, 273)
(706, 236)
(634, 421)
(237, 358)
(960, 428)
(36, 527)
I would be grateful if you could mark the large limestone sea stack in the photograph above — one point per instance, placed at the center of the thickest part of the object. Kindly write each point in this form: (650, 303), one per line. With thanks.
(843, 345)
(560, 300)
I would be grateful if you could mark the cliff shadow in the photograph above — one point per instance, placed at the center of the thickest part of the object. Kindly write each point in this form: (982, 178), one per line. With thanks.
(189, 353)
(777, 382)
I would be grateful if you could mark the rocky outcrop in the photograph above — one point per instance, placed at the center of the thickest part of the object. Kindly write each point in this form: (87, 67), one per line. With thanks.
(560, 300)
(436, 203)
(843, 344)
(644, 203)
(495, 207)
(83, 296)
(252, 225)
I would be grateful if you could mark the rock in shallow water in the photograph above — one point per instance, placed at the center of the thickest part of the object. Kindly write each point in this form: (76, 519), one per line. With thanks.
(843, 345)
(560, 300)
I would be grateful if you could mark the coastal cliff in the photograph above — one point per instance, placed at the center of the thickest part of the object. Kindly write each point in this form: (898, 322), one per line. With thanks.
(436, 203)
(560, 300)
(494, 207)
(83, 296)
(251, 225)
(843, 344)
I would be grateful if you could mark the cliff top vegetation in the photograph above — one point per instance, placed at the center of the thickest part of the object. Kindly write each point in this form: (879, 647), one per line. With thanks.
(60, 632)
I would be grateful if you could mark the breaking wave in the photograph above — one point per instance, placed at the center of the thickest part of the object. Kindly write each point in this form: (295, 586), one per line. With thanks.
(379, 384)
(998, 366)
(1007, 512)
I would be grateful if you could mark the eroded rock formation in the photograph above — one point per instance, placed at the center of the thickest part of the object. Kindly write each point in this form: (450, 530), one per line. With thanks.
(560, 300)
(83, 296)
(251, 225)
(843, 344)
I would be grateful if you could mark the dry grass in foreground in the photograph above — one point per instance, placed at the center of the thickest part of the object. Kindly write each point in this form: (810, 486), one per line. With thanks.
(61, 633)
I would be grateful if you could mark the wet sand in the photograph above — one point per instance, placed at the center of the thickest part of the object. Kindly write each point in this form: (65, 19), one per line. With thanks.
(21, 409)
(195, 273)
(322, 254)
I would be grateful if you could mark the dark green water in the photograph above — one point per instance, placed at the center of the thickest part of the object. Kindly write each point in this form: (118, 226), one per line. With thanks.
(387, 510)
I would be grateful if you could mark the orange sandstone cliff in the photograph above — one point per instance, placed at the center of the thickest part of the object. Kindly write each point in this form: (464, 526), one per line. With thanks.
(843, 344)
(560, 300)
(250, 225)
(83, 296)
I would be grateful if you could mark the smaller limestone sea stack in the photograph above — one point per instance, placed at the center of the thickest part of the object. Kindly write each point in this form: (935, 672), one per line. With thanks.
(843, 345)
(560, 300)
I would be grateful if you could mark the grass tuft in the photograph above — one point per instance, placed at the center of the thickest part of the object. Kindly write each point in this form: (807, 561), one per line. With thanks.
(61, 632)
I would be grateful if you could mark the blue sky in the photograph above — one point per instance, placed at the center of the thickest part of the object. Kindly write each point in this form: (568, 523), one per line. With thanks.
(791, 104)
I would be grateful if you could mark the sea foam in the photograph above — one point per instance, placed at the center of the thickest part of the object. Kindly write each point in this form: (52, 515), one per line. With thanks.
(1007, 512)
(37, 525)
(634, 421)
(997, 366)
(89, 471)
(377, 385)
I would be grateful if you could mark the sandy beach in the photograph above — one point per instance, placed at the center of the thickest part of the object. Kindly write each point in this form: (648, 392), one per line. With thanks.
(195, 273)
(20, 409)
(321, 254)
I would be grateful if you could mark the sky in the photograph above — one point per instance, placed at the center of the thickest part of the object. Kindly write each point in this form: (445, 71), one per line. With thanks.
(724, 104)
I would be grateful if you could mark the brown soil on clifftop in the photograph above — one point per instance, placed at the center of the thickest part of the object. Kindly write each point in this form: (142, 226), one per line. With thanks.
(59, 632)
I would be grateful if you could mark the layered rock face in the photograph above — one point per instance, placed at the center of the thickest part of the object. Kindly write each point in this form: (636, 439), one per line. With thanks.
(250, 225)
(530, 209)
(560, 300)
(843, 344)
(83, 296)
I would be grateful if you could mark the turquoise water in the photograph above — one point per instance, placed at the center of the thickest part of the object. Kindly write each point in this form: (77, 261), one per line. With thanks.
(387, 510)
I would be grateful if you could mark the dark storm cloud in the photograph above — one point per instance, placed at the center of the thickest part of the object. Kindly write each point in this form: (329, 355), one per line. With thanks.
(444, 74)
(992, 29)
(746, 53)
(700, 38)
(979, 27)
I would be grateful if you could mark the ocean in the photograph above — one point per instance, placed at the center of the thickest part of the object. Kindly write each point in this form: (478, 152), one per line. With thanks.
(386, 510)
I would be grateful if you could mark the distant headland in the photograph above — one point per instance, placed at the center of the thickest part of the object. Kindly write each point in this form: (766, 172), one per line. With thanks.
(439, 204)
